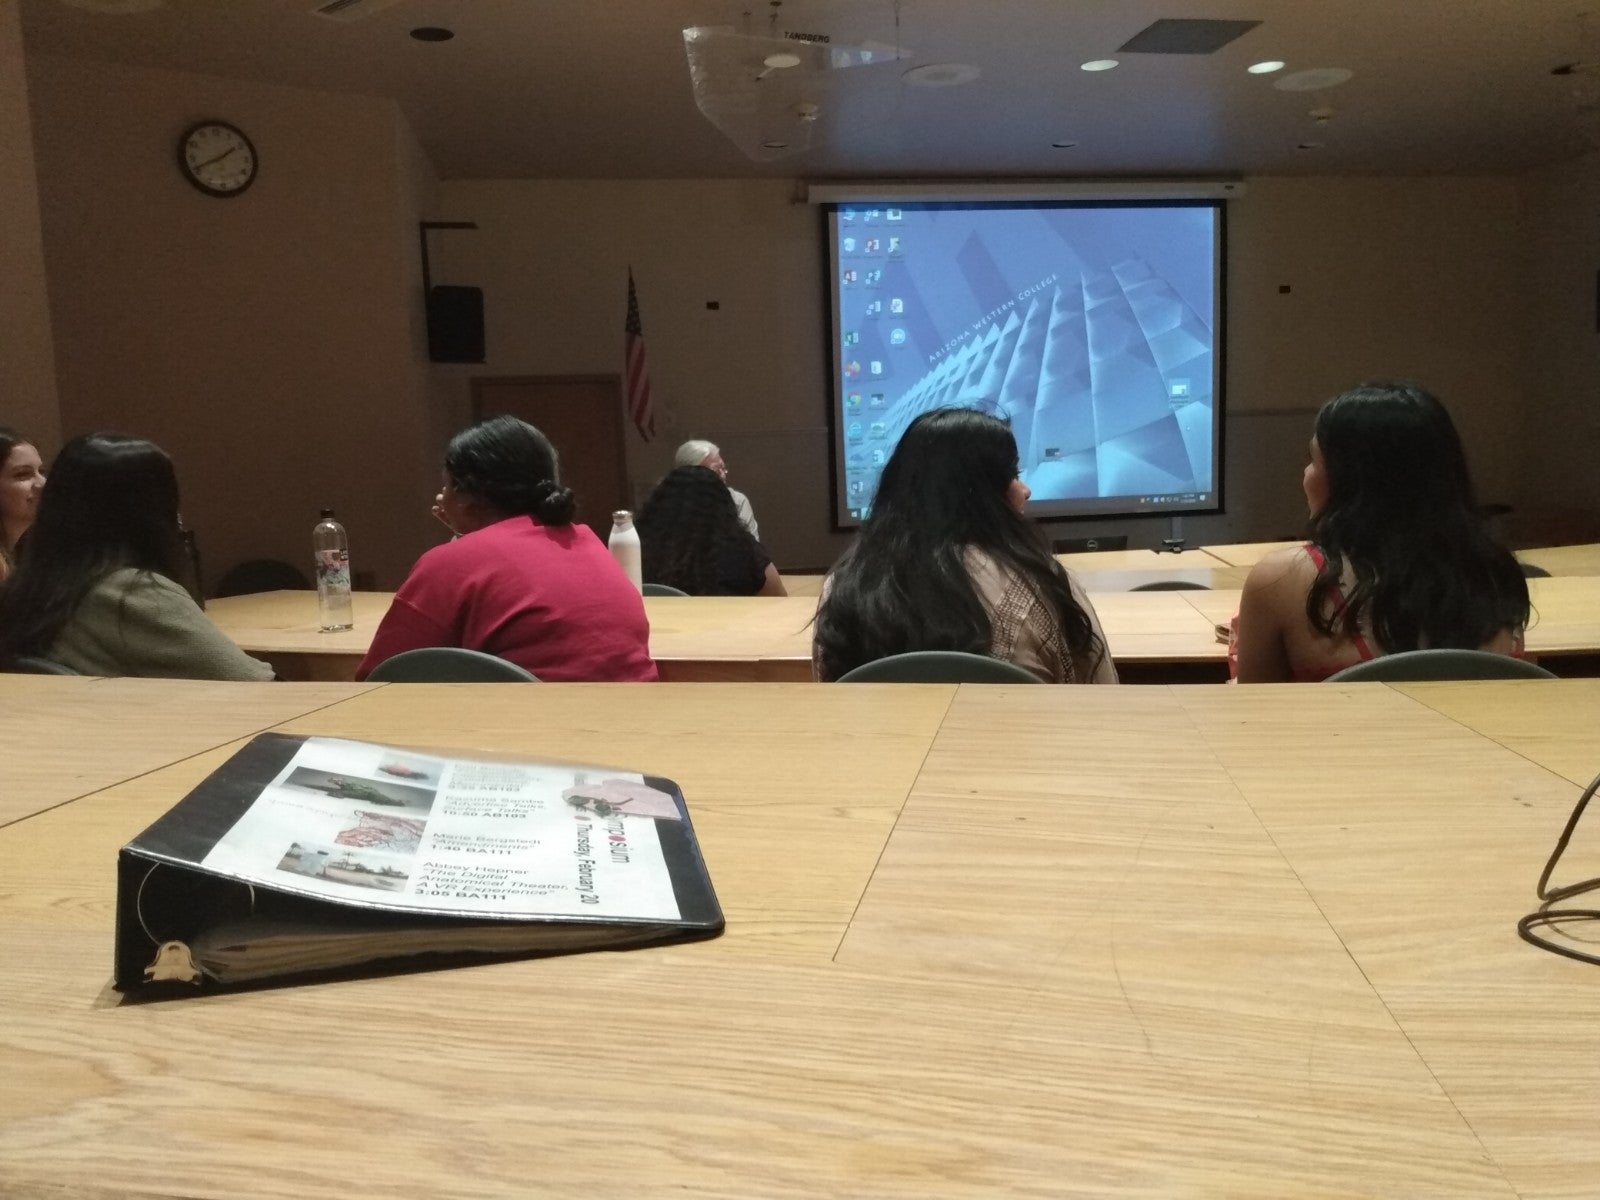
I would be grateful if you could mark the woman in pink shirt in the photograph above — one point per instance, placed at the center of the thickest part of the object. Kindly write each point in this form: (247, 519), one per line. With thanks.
(520, 580)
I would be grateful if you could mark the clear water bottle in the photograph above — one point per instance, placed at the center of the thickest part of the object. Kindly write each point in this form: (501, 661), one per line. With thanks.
(624, 544)
(331, 550)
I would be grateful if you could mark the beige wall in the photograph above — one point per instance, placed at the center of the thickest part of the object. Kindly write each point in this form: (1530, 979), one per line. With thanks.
(27, 356)
(269, 341)
(1563, 352)
(274, 341)
(1413, 278)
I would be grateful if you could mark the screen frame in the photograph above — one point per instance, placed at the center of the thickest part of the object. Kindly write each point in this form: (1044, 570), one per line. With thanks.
(891, 196)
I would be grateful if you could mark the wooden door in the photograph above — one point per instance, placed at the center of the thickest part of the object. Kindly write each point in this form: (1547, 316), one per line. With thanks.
(582, 416)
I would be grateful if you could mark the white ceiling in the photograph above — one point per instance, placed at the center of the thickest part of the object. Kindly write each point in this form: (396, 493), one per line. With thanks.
(600, 88)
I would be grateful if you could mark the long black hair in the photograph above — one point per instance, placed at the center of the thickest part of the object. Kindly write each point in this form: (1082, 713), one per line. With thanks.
(1401, 516)
(903, 584)
(511, 467)
(111, 503)
(686, 526)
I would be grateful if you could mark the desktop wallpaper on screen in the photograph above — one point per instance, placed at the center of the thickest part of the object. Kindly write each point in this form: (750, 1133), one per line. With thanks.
(1090, 327)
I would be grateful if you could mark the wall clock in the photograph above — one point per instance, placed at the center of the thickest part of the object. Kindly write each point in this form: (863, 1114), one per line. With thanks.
(217, 158)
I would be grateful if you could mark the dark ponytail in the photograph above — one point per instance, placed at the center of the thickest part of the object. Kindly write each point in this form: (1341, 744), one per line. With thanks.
(512, 468)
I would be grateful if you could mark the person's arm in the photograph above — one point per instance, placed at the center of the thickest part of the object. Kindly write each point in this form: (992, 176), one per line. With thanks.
(154, 629)
(1104, 671)
(772, 583)
(404, 627)
(1274, 597)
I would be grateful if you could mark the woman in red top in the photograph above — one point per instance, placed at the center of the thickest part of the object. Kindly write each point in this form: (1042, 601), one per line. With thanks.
(520, 580)
(1399, 558)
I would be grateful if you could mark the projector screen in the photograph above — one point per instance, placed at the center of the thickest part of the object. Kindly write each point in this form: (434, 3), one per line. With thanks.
(1093, 328)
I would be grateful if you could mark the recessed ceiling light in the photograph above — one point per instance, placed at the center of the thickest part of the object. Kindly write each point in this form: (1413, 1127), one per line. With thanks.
(948, 74)
(1063, 145)
(1309, 146)
(432, 33)
(1265, 68)
(781, 61)
(1313, 80)
(774, 145)
(1099, 64)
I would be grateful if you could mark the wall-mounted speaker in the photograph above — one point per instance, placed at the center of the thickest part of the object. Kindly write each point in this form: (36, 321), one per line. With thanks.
(455, 324)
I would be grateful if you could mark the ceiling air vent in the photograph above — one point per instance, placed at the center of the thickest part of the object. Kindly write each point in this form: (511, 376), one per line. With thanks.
(1186, 36)
(351, 10)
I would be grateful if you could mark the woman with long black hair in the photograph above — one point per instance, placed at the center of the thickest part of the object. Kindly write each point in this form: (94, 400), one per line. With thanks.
(691, 538)
(1399, 556)
(99, 585)
(947, 561)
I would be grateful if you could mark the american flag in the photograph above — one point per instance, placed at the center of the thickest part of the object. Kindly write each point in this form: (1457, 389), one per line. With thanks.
(636, 372)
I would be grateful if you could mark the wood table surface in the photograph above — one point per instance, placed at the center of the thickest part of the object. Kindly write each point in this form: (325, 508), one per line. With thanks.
(1566, 614)
(51, 756)
(699, 638)
(1231, 942)
(1133, 568)
(1565, 560)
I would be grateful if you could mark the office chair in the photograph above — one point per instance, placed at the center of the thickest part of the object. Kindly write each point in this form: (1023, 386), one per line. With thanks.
(939, 666)
(24, 664)
(1171, 585)
(1415, 666)
(448, 664)
(662, 589)
(1530, 571)
(261, 575)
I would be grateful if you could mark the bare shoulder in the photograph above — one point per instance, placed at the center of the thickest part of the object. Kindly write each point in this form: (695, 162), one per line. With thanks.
(1290, 570)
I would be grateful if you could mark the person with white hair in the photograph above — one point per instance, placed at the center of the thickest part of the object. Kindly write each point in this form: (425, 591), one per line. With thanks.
(697, 452)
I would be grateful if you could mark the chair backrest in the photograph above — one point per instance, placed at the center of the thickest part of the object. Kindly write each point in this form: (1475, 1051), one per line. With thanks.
(1532, 570)
(1415, 666)
(448, 664)
(1171, 585)
(939, 666)
(25, 664)
(261, 575)
(662, 589)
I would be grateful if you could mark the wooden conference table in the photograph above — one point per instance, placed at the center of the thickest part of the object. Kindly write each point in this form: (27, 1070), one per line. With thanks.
(701, 638)
(1230, 942)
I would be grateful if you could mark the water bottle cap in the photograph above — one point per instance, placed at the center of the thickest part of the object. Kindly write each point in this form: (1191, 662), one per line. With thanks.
(327, 513)
(622, 517)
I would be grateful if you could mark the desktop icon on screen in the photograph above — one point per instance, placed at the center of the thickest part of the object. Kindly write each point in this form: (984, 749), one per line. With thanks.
(874, 309)
(849, 277)
(873, 245)
(897, 337)
(874, 278)
(895, 246)
(852, 337)
(847, 214)
(852, 369)
(875, 367)
(877, 401)
(852, 400)
(891, 214)
(897, 305)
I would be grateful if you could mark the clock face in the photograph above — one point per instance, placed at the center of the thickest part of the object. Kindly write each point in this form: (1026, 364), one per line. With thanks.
(217, 158)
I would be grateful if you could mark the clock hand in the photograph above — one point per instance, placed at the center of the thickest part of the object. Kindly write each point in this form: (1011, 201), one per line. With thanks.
(217, 159)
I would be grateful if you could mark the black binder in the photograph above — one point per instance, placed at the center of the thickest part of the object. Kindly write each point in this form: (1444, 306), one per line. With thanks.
(168, 904)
